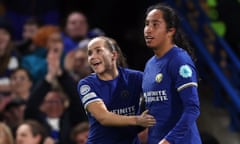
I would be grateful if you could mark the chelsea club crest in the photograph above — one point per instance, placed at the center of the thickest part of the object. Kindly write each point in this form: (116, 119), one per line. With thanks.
(159, 77)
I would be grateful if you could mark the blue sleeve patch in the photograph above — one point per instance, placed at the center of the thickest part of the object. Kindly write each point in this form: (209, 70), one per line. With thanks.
(185, 71)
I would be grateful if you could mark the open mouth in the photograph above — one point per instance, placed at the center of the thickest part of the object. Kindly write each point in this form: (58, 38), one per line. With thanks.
(148, 38)
(96, 64)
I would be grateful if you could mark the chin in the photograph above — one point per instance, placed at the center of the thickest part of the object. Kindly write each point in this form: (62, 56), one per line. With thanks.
(150, 46)
(99, 72)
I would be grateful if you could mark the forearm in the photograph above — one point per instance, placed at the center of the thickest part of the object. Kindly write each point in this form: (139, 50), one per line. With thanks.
(189, 116)
(111, 119)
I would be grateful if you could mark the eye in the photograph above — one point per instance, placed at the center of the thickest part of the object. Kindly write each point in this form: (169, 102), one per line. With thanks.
(89, 53)
(98, 50)
(146, 23)
(155, 24)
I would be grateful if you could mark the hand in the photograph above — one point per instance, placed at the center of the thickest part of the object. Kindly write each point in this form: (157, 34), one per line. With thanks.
(4, 100)
(145, 119)
(163, 141)
(54, 68)
(69, 61)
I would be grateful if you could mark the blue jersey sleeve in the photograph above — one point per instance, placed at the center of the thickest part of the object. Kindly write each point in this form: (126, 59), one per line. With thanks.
(184, 75)
(87, 93)
(183, 71)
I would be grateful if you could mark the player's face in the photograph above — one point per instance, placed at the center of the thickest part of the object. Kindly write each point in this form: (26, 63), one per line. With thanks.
(155, 30)
(100, 58)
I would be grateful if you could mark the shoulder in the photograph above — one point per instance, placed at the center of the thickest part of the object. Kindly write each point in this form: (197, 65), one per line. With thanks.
(87, 84)
(180, 57)
(130, 72)
(131, 75)
(150, 60)
(87, 80)
(181, 63)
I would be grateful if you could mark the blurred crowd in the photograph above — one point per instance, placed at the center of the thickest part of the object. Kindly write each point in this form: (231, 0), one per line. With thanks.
(39, 102)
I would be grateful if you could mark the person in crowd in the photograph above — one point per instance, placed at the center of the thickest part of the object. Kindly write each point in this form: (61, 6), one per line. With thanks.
(13, 113)
(76, 64)
(21, 84)
(79, 134)
(6, 136)
(76, 29)
(111, 95)
(77, 32)
(30, 28)
(30, 132)
(8, 56)
(55, 101)
(170, 80)
(47, 38)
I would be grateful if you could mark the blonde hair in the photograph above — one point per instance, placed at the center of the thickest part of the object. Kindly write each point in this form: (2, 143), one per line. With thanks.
(7, 134)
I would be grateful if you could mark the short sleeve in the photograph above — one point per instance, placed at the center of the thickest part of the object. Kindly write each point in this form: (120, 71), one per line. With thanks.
(87, 93)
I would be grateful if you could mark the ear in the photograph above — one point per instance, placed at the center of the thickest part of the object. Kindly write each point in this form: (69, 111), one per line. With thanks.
(115, 55)
(38, 138)
(171, 31)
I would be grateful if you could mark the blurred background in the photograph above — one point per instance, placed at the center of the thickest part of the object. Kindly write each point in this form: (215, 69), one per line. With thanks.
(212, 27)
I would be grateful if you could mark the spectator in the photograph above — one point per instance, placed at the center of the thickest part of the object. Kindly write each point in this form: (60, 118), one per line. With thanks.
(79, 133)
(76, 64)
(6, 136)
(30, 28)
(48, 105)
(8, 57)
(30, 132)
(76, 30)
(48, 37)
(21, 84)
(13, 114)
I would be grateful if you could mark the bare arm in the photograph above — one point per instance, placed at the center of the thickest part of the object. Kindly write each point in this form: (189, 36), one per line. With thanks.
(106, 118)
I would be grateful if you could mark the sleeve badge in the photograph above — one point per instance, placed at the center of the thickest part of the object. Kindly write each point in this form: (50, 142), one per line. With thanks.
(185, 71)
(84, 89)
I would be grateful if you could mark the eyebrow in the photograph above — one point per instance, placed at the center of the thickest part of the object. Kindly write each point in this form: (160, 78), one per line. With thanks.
(154, 20)
(94, 48)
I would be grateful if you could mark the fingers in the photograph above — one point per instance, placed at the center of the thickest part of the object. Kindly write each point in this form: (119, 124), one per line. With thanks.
(145, 112)
(146, 120)
(151, 121)
(148, 116)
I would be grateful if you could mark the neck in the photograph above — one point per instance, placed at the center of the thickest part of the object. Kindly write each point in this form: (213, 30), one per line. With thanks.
(162, 50)
(109, 74)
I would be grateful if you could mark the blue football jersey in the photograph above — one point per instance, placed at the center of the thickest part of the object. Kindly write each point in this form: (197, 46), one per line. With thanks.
(121, 96)
(170, 92)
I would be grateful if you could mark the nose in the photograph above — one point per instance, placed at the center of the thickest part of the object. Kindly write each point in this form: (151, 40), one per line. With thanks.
(147, 29)
(92, 56)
